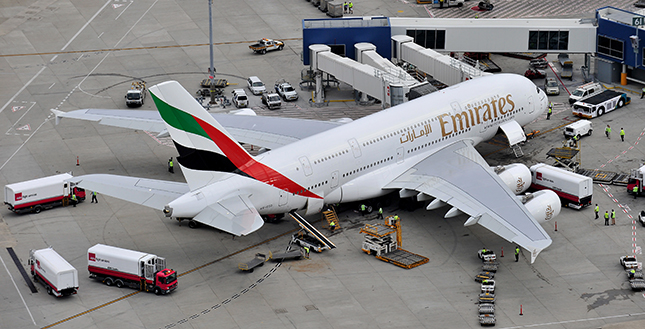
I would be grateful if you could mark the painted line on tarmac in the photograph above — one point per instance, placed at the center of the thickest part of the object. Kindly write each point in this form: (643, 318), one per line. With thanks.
(134, 48)
(579, 320)
(18, 290)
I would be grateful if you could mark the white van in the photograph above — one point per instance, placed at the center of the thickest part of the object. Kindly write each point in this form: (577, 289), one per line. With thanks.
(585, 91)
(578, 128)
(256, 86)
(239, 98)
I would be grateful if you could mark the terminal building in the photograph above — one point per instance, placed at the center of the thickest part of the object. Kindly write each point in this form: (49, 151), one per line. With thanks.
(611, 38)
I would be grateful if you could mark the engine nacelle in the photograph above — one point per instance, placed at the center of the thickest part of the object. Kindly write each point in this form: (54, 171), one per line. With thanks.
(516, 176)
(544, 205)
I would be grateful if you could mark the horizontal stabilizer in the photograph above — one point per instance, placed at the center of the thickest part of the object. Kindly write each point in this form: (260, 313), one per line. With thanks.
(147, 192)
(235, 215)
(312, 230)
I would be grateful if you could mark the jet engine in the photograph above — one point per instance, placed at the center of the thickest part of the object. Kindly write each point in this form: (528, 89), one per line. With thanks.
(544, 205)
(516, 176)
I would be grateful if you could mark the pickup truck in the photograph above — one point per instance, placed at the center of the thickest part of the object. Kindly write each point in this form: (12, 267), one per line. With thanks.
(271, 100)
(264, 45)
(285, 90)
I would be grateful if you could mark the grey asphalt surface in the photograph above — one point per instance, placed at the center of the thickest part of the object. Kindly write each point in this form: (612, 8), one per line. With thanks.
(53, 55)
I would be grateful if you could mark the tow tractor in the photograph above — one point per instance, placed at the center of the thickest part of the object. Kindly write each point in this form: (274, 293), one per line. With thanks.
(488, 286)
(486, 255)
(136, 95)
(636, 177)
(628, 262)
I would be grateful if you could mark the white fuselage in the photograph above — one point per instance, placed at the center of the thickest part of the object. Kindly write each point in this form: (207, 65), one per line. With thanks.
(356, 160)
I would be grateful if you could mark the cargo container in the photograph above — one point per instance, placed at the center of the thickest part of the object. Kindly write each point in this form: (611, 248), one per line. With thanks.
(573, 189)
(58, 276)
(134, 269)
(42, 193)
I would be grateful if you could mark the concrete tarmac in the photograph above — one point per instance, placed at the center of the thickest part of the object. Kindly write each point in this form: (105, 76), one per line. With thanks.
(70, 55)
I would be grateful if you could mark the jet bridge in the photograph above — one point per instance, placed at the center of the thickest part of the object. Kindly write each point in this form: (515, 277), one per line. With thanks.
(442, 67)
(382, 85)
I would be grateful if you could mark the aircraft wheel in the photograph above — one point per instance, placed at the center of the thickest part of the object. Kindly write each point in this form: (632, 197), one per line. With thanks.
(192, 224)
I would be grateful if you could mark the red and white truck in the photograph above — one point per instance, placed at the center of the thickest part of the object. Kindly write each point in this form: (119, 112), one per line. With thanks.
(42, 193)
(573, 189)
(59, 277)
(123, 267)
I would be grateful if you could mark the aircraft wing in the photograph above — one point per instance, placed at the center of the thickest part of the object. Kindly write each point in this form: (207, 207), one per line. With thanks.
(459, 176)
(147, 192)
(262, 131)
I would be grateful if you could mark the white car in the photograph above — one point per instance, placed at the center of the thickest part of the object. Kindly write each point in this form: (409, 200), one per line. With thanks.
(239, 98)
(271, 100)
(286, 91)
(256, 86)
(641, 218)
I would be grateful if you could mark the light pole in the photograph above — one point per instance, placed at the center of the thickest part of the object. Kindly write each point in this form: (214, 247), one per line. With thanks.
(211, 70)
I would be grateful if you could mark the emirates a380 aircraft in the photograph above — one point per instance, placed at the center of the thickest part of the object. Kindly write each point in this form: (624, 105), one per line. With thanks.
(423, 148)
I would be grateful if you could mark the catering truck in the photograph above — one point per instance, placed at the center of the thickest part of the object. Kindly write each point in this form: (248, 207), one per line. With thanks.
(59, 277)
(42, 193)
(599, 104)
(573, 189)
(136, 96)
(134, 269)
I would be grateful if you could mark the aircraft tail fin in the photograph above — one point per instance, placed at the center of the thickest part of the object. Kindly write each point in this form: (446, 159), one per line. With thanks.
(207, 152)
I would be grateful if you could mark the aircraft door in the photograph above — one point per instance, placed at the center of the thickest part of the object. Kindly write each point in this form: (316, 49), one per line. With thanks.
(284, 198)
(334, 179)
(306, 166)
(399, 155)
(531, 105)
(356, 149)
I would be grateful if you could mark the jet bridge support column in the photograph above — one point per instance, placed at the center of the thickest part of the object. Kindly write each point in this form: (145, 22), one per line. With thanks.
(319, 92)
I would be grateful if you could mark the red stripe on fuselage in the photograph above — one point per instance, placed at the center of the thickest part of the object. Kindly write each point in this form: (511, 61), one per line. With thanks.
(244, 162)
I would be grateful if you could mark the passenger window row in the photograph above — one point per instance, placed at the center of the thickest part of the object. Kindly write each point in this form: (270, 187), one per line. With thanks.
(368, 166)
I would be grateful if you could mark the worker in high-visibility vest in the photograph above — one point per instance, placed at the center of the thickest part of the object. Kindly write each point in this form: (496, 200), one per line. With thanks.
(596, 210)
(613, 217)
(332, 226)
(363, 209)
(606, 218)
(74, 199)
(632, 274)
(608, 131)
(635, 191)
(306, 252)
(622, 134)
(548, 113)
(171, 166)
(380, 213)
(517, 253)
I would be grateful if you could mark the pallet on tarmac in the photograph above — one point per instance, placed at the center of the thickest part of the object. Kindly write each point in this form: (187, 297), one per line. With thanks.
(403, 258)
(486, 298)
(490, 266)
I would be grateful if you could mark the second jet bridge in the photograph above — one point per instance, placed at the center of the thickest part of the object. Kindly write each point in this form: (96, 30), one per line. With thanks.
(384, 86)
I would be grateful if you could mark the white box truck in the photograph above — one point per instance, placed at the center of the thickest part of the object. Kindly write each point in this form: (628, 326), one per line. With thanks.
(573, 189)
(123, 267)
(42, 193)
(58, 276)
